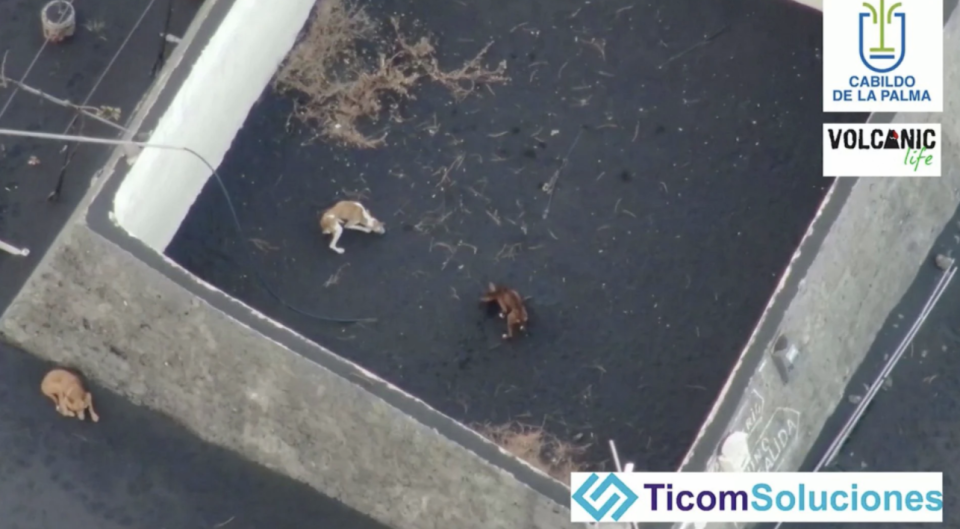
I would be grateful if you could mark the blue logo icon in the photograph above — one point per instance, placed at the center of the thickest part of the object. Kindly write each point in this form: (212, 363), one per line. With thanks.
(599, 512)
(883, 57)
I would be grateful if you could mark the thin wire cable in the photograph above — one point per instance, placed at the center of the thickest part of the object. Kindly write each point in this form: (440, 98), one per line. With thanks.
(25, 74)
(851, 423)
(113, 59)
(874, 388)
(158, 64)
(223, 188)
(16, 89)
(61, 177)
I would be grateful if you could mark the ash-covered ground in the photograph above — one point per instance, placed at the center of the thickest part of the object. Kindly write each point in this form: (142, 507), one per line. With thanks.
(134, 469)
(107, 66)
(683, 142)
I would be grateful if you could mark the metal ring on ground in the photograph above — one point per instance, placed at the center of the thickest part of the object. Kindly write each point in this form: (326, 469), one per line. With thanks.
(59, 20)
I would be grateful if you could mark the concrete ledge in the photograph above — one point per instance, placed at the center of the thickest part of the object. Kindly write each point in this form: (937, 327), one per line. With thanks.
(97, 307)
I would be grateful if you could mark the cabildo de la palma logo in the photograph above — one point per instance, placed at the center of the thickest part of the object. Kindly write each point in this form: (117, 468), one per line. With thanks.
(883, 56)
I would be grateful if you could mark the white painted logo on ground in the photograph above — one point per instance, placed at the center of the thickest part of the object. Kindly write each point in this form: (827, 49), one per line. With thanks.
(776, 439)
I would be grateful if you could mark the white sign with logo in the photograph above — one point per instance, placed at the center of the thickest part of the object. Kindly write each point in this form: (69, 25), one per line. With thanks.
(893, 150)
(883, 56)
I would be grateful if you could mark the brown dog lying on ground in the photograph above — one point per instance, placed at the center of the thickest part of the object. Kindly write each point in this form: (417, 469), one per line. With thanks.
(511, 307)
(351, 215)
(66, 391)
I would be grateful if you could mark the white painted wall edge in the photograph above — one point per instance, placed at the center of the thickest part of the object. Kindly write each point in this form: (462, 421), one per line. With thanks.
(205, 115)
(816, 4)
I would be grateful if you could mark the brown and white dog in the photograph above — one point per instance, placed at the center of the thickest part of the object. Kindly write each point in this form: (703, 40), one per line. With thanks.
(351, 215)
(511, 307)
(66, 391)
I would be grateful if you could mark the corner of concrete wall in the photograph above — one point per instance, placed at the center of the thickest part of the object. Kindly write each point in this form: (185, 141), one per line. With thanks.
(93, 306)
(211, 105)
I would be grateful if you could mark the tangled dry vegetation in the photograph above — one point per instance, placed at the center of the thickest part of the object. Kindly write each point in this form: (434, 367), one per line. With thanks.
(538, 448)
(347, 65)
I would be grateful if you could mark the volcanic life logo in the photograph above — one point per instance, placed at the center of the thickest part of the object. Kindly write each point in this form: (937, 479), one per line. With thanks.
(883, 56)
(892, 150)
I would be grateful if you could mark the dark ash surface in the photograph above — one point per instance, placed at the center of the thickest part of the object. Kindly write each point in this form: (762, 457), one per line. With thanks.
(69, 71)
(134, 469)
(694, 177)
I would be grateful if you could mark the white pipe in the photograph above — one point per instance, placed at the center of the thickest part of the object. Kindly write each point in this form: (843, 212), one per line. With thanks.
(13, 250)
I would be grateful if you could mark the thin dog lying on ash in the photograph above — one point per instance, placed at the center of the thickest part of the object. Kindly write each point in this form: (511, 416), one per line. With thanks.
(351, 215)
(66, 391)
(511, 307)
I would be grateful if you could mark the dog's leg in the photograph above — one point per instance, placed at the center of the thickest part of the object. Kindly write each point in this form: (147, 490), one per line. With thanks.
(504, 308)
(358, 227)
(371, 223)
(80, 414)
(89, 402)
(62, 408)
(519, 325)
(337, 232)
(56, 401)
(367, 217)
(66, 412)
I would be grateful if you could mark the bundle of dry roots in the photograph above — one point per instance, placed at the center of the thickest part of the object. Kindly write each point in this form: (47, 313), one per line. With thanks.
(537, 447)
(344, 70)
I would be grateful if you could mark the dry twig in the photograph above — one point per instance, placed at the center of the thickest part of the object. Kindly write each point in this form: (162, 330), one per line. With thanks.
(335, 278)
(342, 85)
(508, 251)
(263, 245)
(540, 449)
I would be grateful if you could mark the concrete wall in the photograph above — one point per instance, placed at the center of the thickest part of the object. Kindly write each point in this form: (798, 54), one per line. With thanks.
(96, 307)
(209, 109)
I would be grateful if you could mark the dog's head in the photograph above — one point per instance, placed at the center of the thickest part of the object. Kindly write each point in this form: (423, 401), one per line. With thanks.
(75, 399)
(378, 227)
